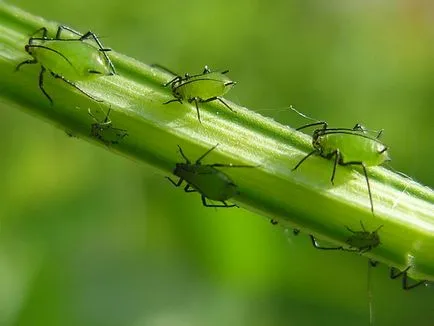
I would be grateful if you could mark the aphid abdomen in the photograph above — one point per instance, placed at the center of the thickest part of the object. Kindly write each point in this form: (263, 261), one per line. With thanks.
(73, 60)
(201, 88)
(208, 181)
(354, 147)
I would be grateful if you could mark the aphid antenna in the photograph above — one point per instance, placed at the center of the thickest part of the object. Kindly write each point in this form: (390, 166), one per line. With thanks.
(316, 123)
(206, 153)
(158, 66)
(183, 155)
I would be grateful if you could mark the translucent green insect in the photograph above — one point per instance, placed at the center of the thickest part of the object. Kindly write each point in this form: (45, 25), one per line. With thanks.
(202, 88)
(205, 179)
(347, 147)
(104, 130)
(360, 241)
(69, 59)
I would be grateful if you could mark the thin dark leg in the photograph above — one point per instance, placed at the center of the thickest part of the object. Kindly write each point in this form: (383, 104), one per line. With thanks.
(41, 84)
(394, 273)
(188, 188)
(373, 263)
(218, 99)
(44, 33)
(87, 35)
(205, 154)
(27, 62)
(304, 159)
(75, 86)
(337, 158)
(176, 184)
(367, 181)
(195, 100)
(317, 246)
(66, 28)
(173, 80)
(174, 100)
(183, 155)
(225, 205)
(206, 70)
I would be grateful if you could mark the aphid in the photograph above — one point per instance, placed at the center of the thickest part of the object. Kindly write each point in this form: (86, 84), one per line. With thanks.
(363, 241)
(69, 59)
(347, 147)
(104, 131)
(395, 273)
(359, 241)
(211, 183)
(202, 88)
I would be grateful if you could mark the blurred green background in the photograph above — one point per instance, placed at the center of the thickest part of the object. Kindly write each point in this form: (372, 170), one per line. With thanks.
(90, 238)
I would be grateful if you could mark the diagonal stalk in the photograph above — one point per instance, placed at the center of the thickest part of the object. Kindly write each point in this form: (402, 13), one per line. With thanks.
(302, 199)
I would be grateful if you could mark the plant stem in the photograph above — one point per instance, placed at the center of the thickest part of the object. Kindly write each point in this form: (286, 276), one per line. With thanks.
(303, 199)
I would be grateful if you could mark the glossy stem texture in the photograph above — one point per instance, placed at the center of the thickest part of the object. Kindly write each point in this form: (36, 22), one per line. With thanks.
(303, 199)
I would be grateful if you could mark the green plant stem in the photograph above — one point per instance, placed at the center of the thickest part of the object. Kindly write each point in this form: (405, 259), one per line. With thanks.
(303, 199)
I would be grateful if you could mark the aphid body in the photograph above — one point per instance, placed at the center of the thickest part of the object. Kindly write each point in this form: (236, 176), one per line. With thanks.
(70, 59)
(206, 179)
(363, 241)
(105, 132)
(347, 147)
(205, 87)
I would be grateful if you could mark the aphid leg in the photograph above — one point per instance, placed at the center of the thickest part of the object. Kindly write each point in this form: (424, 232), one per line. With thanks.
(75, 86)
(304, 159)
(367, 181)
(373, 263)
(66, 28)
(317, 246)
(225, 205)
(27, 62)
(337, 156)
(206, 70)
(394, 273)
(188, 188)
(174, 100)
(205, 154)
(173, 80)
(43, 36)
(176, 184)
(295, 231)
(218, 99)
(383, 150)
(195, 100)
(88, 35)
(41, 84)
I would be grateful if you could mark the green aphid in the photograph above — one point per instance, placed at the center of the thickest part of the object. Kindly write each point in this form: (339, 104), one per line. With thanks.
(69, 59)
(205, 179)
(363, 241)
(104, 130)
(359, 241)
(202, 88)
(347, 147)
